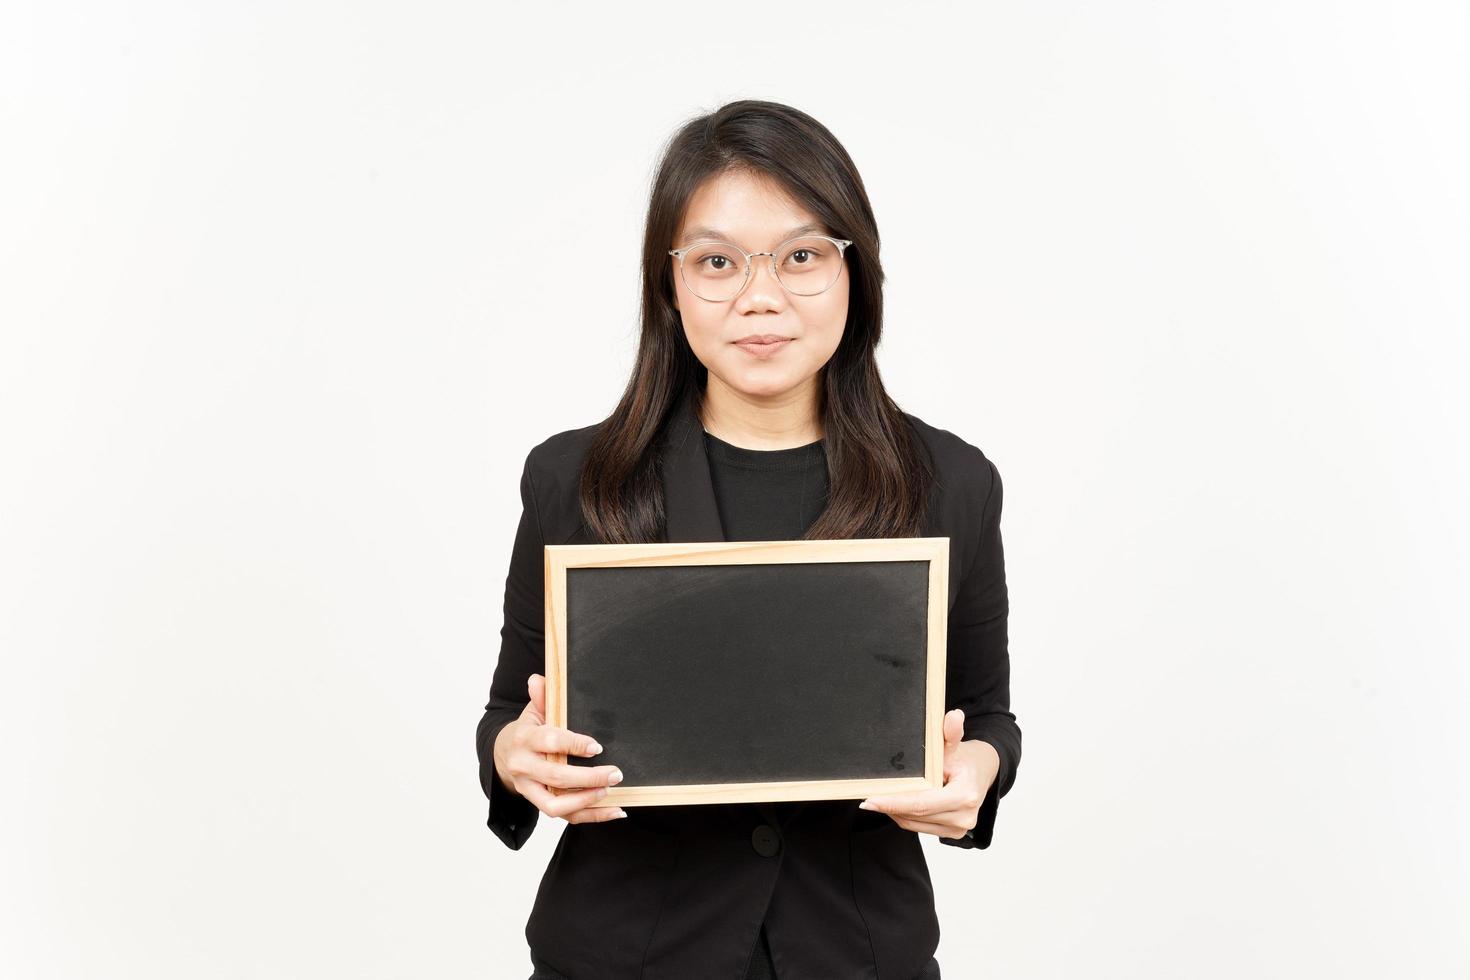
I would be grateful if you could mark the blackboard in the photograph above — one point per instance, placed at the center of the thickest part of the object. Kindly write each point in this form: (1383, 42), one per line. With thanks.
(751, 671)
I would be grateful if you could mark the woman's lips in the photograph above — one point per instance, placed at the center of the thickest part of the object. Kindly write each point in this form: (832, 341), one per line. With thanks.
(762, 351)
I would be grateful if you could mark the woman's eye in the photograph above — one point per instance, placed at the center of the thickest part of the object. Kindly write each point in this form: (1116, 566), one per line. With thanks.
(803, 256)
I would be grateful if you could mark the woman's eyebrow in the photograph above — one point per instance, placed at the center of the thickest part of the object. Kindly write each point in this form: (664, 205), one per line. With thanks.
(696, 234)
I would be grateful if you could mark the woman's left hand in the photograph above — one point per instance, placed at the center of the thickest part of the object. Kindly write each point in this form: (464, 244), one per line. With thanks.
(969, 769)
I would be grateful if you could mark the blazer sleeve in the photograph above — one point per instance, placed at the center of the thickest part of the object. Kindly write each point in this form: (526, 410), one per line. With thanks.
(522, 653)
(979, 667)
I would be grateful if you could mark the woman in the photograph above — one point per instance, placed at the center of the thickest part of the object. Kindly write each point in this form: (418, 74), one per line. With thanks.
(755, 412)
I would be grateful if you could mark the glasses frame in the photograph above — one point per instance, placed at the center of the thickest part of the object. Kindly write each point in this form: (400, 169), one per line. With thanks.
(750, 257)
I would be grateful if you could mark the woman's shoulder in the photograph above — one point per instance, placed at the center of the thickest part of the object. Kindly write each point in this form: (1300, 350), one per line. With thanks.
(551, 479)
(554, 466)
(957, 461)
(562, 450)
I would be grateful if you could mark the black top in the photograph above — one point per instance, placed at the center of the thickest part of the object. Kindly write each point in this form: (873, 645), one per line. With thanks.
(766, 495)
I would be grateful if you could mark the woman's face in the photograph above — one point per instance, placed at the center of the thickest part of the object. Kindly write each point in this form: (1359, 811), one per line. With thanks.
(755, 213)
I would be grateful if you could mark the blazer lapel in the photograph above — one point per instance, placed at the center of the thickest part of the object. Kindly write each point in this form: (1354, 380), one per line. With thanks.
(690, 511)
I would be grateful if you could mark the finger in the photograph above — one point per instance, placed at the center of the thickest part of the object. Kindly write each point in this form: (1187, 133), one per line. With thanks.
(571, 777)
(949, 829)
(536, 687)
(920, 802)
(558, 804)
(941, 823)
(533, 710)
(954, 726)
(573, 800)
(597, 814)
(554, 740)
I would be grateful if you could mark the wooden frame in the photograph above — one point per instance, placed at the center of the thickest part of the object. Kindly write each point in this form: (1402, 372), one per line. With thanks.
(935, 550)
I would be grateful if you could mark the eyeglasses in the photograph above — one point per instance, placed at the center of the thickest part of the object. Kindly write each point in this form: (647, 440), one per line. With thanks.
(718, 271)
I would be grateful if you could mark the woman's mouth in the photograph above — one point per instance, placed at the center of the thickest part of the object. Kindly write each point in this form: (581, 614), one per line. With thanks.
(762, 345)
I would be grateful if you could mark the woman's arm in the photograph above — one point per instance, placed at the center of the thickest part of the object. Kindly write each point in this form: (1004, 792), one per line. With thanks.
(978, 659)
(522, 653)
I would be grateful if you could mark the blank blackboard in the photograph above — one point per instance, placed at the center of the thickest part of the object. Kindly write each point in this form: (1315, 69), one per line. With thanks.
(751, 671)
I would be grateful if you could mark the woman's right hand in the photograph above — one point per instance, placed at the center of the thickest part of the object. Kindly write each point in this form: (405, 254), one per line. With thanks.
(521, 764)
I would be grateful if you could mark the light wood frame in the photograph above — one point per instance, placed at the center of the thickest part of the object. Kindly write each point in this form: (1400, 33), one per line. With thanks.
(935, 550)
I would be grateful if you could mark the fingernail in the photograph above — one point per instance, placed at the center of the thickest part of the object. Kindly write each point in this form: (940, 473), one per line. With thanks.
(865, 805)
(594, 748)
(601, 792)
(615, 778)
(622, 812)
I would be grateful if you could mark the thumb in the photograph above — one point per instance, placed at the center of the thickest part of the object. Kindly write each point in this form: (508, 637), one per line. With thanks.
(954, 727)
(536, 687)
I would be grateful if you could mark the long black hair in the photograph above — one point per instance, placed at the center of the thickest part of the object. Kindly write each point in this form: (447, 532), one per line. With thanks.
(879, 475)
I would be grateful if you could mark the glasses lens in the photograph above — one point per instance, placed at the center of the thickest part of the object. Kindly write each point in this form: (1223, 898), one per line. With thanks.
(714, 271)
(807, 266)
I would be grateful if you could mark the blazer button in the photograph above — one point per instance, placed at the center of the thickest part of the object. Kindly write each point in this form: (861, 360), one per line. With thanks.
(765, 840)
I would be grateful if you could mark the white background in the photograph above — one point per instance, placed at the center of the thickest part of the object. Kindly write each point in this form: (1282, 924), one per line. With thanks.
(285, 304)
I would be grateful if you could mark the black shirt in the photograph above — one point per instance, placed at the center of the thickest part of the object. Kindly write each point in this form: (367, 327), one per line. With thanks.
(766, 495)
(769, 495)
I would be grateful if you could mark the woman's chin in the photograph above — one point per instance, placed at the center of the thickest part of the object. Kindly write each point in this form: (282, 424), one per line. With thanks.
(768, 386)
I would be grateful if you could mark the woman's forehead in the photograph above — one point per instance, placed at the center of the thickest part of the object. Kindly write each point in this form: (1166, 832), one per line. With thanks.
(746, 210)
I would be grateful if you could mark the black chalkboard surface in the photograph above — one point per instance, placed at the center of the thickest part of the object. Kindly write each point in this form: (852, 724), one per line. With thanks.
(722, 672)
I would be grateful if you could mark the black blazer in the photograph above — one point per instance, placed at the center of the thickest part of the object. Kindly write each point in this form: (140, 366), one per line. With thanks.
(679, 892)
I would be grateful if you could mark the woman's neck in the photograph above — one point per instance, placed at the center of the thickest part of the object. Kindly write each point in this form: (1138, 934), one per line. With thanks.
(781, 422)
